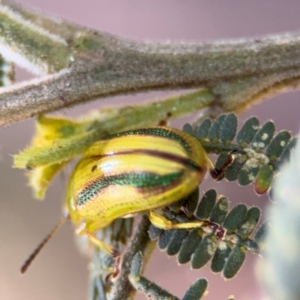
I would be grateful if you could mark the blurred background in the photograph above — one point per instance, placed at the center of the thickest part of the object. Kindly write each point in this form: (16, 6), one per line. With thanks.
(60, 271)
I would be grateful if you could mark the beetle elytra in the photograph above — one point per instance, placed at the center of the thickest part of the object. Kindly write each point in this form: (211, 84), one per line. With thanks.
(135, 171)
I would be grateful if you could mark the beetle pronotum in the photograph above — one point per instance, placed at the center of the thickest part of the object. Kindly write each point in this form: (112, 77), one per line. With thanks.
(135, 171)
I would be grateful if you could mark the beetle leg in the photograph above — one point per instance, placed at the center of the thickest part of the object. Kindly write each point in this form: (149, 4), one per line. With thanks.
(217, 173)
(107, 248)
(161, 222)
(82, 230)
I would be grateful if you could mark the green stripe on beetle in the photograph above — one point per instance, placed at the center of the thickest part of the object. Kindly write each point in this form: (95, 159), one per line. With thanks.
(159, 131)
(136, 180)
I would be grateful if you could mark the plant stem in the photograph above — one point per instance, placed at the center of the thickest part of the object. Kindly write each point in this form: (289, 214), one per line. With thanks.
(122, 288)
(239, 72)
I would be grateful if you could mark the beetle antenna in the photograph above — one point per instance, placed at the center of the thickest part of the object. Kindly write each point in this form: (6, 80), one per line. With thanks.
(33, 255)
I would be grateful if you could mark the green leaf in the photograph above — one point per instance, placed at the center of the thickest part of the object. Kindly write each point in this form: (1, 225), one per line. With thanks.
(188, 247)
(248, 131)
(196, 290)
(216, 238)
(234, 262)
(204, 128)
(263, 136)
(235, 218)
(229, 128)
(264, 179)
(278, 144)
(219, 211)
(250, 222)
(188, 129)
(215, 130)
(176, 241)
(154, 232)
(247, 174)
(234, 169)
(204, 252)
(285, 156)
(191, 202)
(165, 238)
(221, 160)
(220, 257)
(206, 204)
(255, 147)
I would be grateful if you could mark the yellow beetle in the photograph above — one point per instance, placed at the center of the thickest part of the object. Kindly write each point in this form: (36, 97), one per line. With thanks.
(135, 171)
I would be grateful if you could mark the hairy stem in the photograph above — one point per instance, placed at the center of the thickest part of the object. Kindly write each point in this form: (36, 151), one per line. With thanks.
(122, 288)
(103, 65)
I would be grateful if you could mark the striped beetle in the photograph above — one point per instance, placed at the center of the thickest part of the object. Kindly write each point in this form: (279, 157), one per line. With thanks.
(134, 171)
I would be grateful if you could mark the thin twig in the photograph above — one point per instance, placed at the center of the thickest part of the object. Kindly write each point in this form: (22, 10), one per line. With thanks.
(122, 288)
